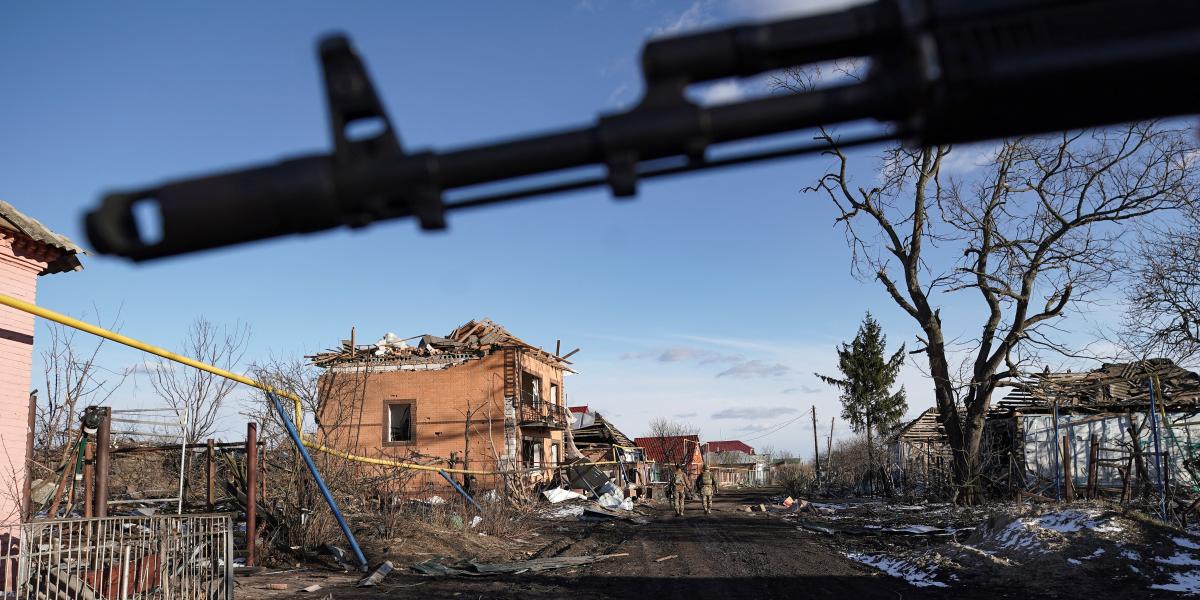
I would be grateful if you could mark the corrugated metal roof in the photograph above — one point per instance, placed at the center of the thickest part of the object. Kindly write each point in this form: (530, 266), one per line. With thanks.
(729, 446)
(15, 220)
(670, 448)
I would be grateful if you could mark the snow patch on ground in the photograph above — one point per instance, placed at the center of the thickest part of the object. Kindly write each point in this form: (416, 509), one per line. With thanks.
(1186, 543)
(896, 567)
(1071, 521)
(1186, 582)
(1179, 558)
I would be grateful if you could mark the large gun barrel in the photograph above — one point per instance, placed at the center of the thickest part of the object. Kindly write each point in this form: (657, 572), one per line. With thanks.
(941, 71)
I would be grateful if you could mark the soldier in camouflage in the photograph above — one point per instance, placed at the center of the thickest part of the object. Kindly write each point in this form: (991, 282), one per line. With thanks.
(708, 485)
(678, 489)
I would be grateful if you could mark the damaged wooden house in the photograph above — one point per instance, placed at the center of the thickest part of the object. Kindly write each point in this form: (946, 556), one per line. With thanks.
(1121, 430)
(479, 398)
(599, 441)
(919, 456)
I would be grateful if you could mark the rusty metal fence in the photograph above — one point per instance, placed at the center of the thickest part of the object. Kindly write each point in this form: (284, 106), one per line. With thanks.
(158, 557)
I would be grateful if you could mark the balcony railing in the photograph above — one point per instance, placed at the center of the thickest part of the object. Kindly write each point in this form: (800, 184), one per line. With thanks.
(540, 413)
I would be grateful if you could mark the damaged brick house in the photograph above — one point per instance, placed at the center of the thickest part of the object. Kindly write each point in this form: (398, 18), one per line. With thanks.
(479, 398)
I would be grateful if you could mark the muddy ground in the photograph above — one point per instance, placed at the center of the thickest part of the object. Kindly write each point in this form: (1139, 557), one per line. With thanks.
(729, 554)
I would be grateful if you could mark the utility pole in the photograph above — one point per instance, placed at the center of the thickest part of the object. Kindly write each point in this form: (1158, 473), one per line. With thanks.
(816, 447)
(829, 441)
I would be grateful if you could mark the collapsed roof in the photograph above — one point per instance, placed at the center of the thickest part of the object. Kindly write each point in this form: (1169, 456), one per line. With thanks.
(1112, 386)
(596, 431)
(924, 428)
(474, 339)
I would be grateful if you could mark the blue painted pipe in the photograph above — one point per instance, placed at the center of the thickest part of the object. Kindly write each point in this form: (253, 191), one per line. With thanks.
(312, 468)
(461, 491)
(1158, 455)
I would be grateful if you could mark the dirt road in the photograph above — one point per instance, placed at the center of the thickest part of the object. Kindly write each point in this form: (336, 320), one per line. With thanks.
(729, 554)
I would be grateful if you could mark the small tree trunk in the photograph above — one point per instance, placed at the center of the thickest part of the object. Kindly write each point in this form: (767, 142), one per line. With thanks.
(870, 457)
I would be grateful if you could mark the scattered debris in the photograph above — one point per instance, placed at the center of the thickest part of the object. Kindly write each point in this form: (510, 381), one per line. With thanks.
(468, 568)
(375, 577)
(277, 586)
(667, 557)
(312, 588)
(556, 495)
(597, 513)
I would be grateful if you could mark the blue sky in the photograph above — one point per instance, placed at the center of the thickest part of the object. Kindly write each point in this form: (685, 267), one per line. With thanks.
(720, 291)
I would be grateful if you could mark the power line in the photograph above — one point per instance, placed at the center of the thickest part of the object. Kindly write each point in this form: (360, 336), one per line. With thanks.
(774, 429)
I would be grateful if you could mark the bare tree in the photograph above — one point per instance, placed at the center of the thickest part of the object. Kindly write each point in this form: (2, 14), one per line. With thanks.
(674, 454)
(195, 394)
(74, 379)
(1033, 234)
(1163, 295)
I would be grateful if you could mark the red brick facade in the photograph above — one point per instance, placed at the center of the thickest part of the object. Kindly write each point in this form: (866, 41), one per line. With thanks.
(503, 431)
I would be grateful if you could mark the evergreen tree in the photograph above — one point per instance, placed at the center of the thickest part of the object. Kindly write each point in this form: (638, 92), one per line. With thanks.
(867, 377)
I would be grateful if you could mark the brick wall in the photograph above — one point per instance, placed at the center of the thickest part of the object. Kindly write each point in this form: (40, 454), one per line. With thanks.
(353, 416)
(19, 268)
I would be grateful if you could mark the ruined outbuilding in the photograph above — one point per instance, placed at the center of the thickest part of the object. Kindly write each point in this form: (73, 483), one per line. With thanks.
(919, 455)
(478, 398)
(1122, 429)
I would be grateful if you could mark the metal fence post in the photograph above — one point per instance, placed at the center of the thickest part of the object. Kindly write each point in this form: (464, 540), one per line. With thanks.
(251, 491)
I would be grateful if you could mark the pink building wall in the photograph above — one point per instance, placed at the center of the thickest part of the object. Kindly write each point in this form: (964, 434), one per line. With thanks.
(21, 259)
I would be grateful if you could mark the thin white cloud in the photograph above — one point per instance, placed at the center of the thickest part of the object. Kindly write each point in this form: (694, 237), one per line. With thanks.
(674, 354)
(781, 9)
(755, 368)
(698, 14)
(968, 157)
(732, 343)
(619, 95)
(721, 92)
(147, 367)
(756, 428)
(754, 412)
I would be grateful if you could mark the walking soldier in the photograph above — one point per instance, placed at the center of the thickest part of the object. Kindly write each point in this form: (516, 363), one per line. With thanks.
(707, 484)
(678, 488)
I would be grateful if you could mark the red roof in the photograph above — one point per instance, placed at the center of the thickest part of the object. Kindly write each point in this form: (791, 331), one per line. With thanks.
(578, 409)
(669, 449)
(729, 446)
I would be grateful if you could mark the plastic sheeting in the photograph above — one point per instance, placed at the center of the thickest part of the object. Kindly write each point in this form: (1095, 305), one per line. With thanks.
(1042, 450)
(557, 495)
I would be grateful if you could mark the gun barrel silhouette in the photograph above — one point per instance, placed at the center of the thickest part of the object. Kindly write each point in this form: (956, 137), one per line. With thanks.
(940, 71)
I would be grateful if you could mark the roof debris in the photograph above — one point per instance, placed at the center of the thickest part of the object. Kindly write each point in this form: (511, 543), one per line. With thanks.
(474, 339)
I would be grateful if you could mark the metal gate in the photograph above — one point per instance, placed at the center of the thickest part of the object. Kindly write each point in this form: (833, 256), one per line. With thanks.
(158, 557)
